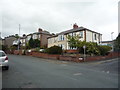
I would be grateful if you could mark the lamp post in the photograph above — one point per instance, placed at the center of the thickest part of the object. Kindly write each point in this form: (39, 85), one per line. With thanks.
(112, 35)
(112, 39)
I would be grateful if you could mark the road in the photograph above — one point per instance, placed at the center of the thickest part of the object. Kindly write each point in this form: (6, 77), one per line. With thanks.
(32, 72)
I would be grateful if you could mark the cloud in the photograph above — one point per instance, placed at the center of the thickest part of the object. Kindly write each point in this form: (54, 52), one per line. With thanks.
(59, 15)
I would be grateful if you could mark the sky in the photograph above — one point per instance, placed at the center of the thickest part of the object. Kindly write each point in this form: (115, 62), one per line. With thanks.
(56, 16)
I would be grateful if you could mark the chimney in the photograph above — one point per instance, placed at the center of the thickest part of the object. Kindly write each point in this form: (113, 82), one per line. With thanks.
(75, 26)
(24, 35)
(39, 30)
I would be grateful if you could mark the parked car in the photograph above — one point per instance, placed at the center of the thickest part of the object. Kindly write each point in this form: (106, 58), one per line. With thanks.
(3, 60)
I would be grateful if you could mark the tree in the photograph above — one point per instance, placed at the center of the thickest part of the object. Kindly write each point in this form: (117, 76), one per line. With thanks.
(36, 43)
(16, 36)
(92, 48)
(4, 47)
(31, 43)
(117, 43)
(104, 50)
(27, 46)
(73, 41)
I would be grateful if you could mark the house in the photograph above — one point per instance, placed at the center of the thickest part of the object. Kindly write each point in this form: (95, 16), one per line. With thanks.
(107, 43)
(8, 41)
(85, 34)
(23, 40)
(41, 35)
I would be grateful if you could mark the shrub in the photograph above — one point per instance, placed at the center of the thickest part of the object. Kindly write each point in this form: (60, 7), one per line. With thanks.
(104, 50)
(54, 50)
(37, 49)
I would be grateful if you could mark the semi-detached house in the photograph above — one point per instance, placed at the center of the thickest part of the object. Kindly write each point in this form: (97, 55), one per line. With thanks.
(41, 35)
(85, 34)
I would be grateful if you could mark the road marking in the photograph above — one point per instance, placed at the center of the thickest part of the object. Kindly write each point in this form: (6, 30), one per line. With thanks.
(63, 64)
(76, 74)
(103, 71)
(107, 72)
(73, 78)
(100, 62)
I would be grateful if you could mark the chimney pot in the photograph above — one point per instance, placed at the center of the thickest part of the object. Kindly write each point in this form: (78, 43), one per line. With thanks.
(39, 30)
(75, 26)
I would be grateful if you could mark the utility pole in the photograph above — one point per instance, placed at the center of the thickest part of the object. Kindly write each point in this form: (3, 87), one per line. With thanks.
(84, 47)
(19, 39)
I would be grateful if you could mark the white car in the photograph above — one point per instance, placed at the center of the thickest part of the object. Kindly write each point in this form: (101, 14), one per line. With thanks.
(3, 60)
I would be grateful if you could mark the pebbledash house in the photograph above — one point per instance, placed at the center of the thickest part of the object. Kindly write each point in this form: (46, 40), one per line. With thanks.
(85, 34)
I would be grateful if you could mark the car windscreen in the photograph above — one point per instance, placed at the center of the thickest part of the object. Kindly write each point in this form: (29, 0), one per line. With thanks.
(2, 54)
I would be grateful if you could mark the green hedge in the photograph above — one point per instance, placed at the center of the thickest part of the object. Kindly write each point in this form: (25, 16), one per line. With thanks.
(104, 50)
(54, 50)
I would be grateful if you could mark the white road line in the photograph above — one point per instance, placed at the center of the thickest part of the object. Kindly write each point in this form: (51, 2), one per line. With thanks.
(76, 74)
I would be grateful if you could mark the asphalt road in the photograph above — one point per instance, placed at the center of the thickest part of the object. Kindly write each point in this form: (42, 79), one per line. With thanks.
(32, 72)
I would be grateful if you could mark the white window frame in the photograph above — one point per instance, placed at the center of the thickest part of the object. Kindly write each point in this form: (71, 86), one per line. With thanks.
(81, 34)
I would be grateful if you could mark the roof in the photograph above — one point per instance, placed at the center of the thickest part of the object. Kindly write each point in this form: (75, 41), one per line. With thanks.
(73, 30)
(42, 32)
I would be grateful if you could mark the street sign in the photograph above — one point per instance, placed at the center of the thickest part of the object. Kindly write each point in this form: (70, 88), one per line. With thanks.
(84, 46)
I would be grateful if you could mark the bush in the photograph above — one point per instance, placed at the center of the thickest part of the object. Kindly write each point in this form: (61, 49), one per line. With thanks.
(54, 50)
(104, 50)
(37, 49)
(4, 47)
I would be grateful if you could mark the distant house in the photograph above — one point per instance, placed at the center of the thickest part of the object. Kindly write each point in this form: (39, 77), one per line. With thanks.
(108, 43)
(15, 42)
(23, 40)
(8, 41)
(87, 35)
(41, 35)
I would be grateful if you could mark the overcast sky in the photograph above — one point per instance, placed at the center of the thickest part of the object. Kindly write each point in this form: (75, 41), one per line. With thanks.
(59, 15)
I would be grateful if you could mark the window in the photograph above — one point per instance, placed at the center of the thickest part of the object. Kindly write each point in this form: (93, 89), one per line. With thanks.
(95, 36)
(28, 38)
(81, 34)
(74, 34)
(39, 36)
(2, 54)
(71, 34)
(34, 36)
(49, 41)
(61, 37)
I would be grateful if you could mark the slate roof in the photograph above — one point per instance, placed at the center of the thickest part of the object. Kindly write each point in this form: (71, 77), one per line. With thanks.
(73, 30)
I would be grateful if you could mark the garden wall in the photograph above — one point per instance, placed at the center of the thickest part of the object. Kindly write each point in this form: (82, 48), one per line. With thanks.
(67, 58)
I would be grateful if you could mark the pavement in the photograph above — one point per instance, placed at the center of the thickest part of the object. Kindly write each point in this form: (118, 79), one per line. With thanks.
(33, 72)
